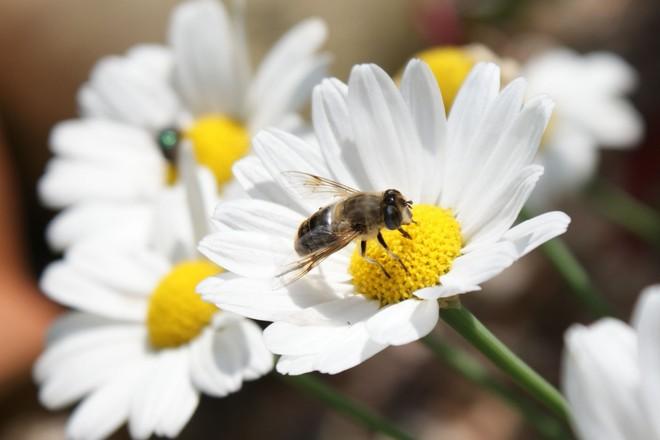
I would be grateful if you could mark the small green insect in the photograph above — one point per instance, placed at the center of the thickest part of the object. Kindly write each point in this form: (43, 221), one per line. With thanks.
(168, 141)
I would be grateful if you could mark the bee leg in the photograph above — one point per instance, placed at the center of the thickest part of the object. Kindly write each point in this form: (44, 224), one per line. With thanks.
(382, 242)
(363, 252)
(404, 233)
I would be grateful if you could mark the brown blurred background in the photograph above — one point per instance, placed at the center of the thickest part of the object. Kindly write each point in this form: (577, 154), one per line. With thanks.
(48, 49)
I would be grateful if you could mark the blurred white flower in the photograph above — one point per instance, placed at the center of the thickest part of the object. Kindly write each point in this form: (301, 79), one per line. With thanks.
(141, 345)
(611, 374)
(111, 164)
(468, 175)
(592, 112)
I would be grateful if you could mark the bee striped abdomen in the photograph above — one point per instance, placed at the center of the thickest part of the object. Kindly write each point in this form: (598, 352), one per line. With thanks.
(315, 232)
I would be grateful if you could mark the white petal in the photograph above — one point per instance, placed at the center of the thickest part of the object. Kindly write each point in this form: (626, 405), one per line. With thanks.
(289, 93)
(133, 89)
(116, 222)
(422, 96)
(257, 182)
(384, 130)
(166, 399)
(647, 322)
(68, 286)
(107, 408)
(102, 141)
(600, 378)
(60, 185)
(403, 322)
(506, 161)
(532, 233)
(497, 215)
(346, 310)
(204, 371)
(499, 117)
(472, 269)
(479, 89)
(199, 197)
(205, 72)
(257, 299)
(280, 152)
(295, 365)
(260, 359)
(349, 351)
(181, 402)
(249, 253)
(84, 361)
(615, 123)
(332, 126)
(296, 340)
(570, 159)
(257, 215)
(128, 269)
(293, 50)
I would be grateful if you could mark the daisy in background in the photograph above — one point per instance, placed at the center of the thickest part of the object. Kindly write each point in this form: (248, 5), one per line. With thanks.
(611, 374)
(591, 112)
(468, 176)
(111, 165)
(141, 345)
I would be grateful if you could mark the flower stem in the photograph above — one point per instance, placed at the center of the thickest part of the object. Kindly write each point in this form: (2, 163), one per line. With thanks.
(468, 326)
(465, 365)
(575, 275)
(624, 210)
(358, 412)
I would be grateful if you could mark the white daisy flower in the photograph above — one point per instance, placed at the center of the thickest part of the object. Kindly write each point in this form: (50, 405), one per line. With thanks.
(141, 345)
(592, 112)
(592, 109)
(110, 165)
(468, 176)
(610, 374)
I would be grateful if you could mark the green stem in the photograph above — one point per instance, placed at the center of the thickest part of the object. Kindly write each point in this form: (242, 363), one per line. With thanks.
(358, 412)
(624, 210)
(469, 327)
(575, 275)
(465, 365)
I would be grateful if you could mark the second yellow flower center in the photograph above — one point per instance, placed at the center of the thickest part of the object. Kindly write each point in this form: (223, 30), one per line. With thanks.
(435, 243)
(217, 141)
(450, 67)
(176, 312)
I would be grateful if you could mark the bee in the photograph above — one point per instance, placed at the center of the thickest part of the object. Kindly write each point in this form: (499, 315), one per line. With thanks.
(356, 215)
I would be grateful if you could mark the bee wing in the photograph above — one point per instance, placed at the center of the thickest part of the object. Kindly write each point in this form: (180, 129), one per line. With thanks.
(309, 184)
(298, 269)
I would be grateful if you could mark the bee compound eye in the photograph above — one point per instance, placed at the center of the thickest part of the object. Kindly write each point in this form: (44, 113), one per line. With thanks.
(168, 140)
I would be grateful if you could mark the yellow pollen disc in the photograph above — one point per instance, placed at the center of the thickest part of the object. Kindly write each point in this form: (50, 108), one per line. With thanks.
(218, 142)
(176, 313)
(436, 242)
(450, 66)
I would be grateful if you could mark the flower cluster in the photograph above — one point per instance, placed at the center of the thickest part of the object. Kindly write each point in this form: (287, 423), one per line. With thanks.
(195, 199)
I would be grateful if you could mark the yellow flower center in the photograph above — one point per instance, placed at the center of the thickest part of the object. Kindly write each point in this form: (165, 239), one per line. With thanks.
(176, 312)
(435, 243)
(218, 142)
(450, 66)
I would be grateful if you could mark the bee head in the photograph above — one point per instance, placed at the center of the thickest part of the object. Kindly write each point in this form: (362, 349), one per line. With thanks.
(396, 209)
